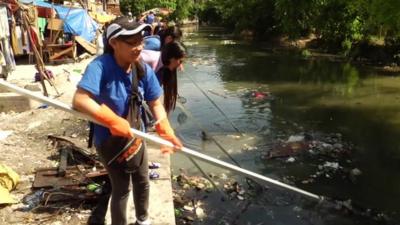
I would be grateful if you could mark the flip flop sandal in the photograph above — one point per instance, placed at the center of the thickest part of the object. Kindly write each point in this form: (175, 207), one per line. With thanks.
(153, 175)
(154, 165)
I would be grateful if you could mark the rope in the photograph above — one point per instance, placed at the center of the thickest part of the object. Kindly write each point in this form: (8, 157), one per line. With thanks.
(248, 180)
(216, 106)
(189, 114)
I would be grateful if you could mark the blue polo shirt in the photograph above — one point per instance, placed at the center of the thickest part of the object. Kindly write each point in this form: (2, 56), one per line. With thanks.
(111, 85)
(152, 43)
(150, 19)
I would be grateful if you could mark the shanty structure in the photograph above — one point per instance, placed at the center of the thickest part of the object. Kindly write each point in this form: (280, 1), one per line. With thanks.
(49, 32)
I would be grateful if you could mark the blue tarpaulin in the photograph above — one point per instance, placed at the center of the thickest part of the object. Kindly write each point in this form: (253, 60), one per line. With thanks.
(76, 21)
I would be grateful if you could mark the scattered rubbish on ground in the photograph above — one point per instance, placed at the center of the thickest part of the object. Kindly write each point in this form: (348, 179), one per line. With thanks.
(154, 165)
(32, 200)
(154, 175)
(43, 106)
(75, 181)
(4, 134)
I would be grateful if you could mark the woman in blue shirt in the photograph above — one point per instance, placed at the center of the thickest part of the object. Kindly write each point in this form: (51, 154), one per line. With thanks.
(107, 93)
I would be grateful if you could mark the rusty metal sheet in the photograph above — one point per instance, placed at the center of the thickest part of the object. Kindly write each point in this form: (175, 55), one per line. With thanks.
(48, 177)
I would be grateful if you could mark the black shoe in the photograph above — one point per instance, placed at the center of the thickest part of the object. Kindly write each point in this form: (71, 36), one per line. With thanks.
(93, 220)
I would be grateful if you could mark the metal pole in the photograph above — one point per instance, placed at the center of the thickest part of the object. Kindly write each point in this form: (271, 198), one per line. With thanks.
(189, 152)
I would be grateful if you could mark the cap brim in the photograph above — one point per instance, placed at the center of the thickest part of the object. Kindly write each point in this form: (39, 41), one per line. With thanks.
(137, 30)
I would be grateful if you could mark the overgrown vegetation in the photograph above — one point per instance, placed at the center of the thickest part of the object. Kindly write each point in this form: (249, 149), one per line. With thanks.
(340, 25)
(182, 9)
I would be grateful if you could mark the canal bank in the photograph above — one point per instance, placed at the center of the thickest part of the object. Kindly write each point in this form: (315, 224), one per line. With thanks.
(339, 105)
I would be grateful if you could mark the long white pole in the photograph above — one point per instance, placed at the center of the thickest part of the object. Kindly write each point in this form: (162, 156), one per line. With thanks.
(192, 153)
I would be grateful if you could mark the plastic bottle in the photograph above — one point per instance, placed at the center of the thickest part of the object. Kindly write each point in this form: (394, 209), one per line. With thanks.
(33, 200)
(94, 187)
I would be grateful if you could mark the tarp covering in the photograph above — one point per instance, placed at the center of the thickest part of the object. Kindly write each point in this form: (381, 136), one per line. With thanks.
(76, 21)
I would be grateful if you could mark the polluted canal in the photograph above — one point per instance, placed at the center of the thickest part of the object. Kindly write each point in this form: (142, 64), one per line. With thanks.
(330, 128)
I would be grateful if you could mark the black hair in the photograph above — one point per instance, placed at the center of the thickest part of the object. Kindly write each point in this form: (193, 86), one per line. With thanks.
(172, 31)
(173, 50)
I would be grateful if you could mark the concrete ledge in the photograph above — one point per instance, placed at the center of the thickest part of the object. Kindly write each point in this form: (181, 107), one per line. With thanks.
(15, 102)
(161, 209)
(3, 89)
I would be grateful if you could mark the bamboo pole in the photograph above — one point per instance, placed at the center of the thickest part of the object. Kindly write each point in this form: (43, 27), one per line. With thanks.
(38, 59)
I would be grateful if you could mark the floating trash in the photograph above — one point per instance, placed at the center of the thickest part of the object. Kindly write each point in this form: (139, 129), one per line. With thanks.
(290, 160)
(228, 42)
(193, 43)
(295, 138)
(182, 118)
(200, 213)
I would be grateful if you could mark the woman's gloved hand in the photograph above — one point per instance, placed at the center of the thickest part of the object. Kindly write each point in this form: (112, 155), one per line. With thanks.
(118, 126)
(163, 128)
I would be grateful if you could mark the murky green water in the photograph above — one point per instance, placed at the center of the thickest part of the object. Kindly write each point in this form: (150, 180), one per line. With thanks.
(318, 97)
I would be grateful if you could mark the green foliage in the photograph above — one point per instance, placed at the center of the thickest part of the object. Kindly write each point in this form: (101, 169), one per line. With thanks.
(240, 15)
(385, 15)
(209, 12)
(184, 9)
(339, 23)
(296, 21)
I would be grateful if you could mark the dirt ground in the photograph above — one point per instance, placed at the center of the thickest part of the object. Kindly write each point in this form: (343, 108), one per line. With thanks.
(28, 146)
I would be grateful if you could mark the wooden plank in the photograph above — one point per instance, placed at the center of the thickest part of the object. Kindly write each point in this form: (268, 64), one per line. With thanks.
(74, 145)
(91, 48)
(55, 24)
(55, 36)
(62, 167)
(61, 53)
(48, 177)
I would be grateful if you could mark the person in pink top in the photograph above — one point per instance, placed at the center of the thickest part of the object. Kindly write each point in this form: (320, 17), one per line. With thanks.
(165, 64)
(152, 58)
